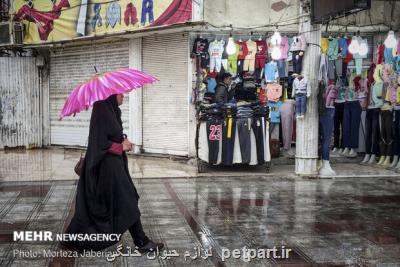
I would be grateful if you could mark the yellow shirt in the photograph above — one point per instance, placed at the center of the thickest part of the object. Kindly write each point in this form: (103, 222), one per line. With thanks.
(324, 45)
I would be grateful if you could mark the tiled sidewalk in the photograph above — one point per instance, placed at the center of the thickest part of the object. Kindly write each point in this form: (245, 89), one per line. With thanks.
(337, 222)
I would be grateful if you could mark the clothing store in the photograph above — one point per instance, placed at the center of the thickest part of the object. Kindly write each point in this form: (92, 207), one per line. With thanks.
(246, 81)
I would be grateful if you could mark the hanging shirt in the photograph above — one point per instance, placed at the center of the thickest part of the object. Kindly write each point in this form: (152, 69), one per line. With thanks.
(324, 45)
(341, 97)
(349, 56)
(378, 54)
(290, 53)
(301, 87)
(378, 73)
(242, 50)
(251, 50)
(299, 43)
(274, 92)
(200, 47)
(261, 49)
(235, 55)
(388, 54)
(284, 47)
(343, 46)
(216, 49)
(271, 71)
(333, 49)
(330, 96)
(275, 111)
(376, 100)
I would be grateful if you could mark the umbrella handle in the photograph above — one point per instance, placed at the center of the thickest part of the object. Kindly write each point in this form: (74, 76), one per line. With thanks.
(95, 69)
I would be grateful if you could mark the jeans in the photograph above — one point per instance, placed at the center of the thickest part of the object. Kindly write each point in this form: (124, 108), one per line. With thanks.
(331, 69)
(287, 113)
(301, 104)
(338, 67)
(351, 123)
(338, 131)
(147, 8)
(244, 130)
(372, 131)
(297, 61)
(386, 132)
(326, 122)
(282, 68)
(228, 140)
(137, 233)
(396, 132)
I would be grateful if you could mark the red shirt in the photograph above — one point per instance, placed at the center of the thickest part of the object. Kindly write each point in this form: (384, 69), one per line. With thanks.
(243, 51)
(349, 56)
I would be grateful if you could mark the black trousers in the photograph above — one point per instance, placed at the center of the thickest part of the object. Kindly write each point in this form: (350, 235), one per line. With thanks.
(137, 233)
(386, 132)
(244, 130)
(338, 122)
(214, 128)
(228, 140)
(396, 133)
(258, 133)
(372, 131)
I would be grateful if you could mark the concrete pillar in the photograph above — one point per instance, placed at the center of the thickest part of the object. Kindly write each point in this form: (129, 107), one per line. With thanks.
(135, 97)
(307, 128)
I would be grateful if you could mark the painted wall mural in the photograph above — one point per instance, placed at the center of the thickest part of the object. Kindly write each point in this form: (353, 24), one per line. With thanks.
(57, 20)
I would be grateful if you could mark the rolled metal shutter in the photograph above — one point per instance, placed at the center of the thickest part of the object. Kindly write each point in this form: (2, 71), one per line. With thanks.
(68, 68)
(166, 103)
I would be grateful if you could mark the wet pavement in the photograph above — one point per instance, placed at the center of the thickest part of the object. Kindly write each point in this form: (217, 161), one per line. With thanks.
(325, 222)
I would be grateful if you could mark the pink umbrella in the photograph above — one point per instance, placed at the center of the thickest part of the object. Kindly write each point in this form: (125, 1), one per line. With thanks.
(102, 86)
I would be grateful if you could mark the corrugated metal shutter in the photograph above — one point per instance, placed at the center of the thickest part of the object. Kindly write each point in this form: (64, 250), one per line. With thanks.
(20, 103)
(68, 68)
(165, 103)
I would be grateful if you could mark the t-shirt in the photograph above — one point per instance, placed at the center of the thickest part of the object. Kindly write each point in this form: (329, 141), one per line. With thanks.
(275, 111)
(271, 71)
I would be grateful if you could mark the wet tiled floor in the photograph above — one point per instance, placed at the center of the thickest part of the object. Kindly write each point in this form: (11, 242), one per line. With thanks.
(335, 222)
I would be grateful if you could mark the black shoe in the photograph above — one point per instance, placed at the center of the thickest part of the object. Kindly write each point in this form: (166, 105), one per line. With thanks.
(151, 246)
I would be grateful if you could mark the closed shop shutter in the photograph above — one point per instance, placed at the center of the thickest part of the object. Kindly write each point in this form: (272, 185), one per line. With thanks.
(68, 68)
(166, 103)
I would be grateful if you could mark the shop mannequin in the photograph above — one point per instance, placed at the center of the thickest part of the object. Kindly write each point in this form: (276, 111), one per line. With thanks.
(351, 119)
(396, 127)
(372, 118)
(327, 112)
(389, 96)
(339, 107)
(301, 91)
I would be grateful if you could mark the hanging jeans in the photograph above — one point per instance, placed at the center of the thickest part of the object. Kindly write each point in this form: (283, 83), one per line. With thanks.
(338, 131)
(287, 114)
(386, 132)
(372, 131)
(244, 131)
(147, 9)
(228, 140)
(214, 131)
(396, 132)
(338, 67)
(282, 68)
(257, 127)
(326, 122)
(301, 104)
(297, 61)
(351, 123)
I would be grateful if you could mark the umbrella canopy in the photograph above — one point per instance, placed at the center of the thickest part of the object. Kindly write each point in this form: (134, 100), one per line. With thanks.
(102, 86)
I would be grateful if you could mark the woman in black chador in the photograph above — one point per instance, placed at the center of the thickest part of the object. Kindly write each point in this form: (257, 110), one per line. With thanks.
(106, 198)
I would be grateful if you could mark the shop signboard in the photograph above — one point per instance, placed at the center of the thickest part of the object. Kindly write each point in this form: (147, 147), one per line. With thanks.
(58, 20)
